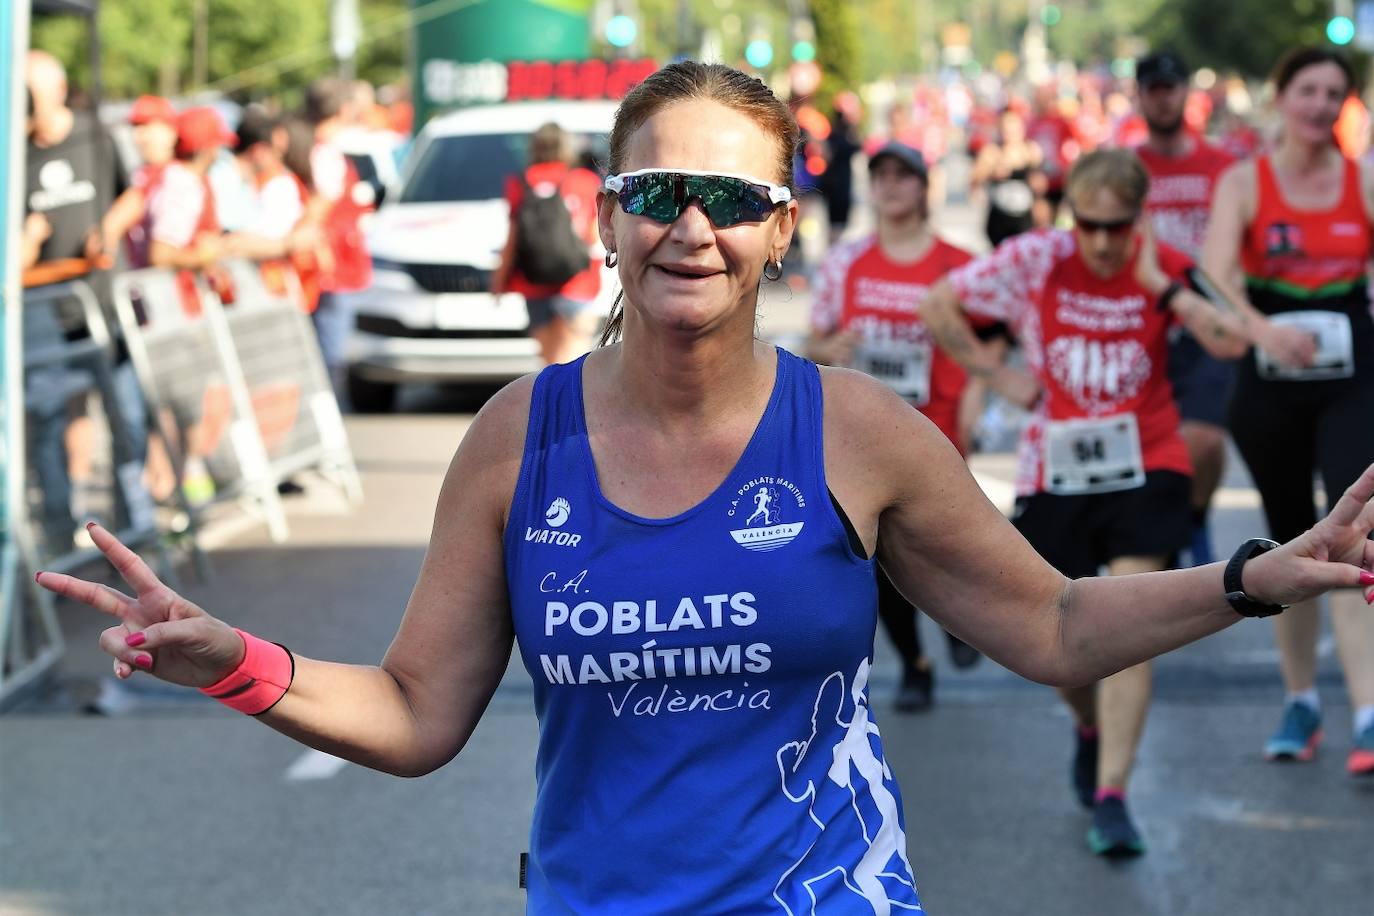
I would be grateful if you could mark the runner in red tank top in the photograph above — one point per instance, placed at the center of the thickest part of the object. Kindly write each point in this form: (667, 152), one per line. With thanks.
(1183, 174)
(864, 315)
(1297, 224)
(1104, 474)
(561, 318)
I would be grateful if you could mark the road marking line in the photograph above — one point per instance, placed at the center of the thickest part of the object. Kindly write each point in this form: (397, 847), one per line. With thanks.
(314, 765)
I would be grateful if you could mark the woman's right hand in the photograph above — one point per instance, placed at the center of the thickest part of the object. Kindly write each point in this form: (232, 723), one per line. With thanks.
(1290, 347)
(159, 631)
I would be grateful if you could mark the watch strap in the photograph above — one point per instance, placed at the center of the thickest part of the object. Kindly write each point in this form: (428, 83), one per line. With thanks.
(1242, 603)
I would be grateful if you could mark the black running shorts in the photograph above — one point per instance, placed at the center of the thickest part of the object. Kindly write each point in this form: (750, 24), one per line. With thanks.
(1078, 534)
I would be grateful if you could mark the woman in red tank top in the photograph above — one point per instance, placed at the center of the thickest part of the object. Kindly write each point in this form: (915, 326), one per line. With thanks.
(1294, 228)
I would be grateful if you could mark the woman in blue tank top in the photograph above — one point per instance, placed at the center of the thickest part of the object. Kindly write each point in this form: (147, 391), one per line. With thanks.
(678, 530)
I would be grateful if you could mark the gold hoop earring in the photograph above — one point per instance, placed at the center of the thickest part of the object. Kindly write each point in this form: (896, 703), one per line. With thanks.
(777, 267)
(611, 259)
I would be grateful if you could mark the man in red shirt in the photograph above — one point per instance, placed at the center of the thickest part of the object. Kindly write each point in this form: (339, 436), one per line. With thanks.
(1183, 174)
(1103, 472)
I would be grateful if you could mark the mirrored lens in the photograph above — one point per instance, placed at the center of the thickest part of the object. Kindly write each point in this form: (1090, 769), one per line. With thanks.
(729, 201)
(661, 196)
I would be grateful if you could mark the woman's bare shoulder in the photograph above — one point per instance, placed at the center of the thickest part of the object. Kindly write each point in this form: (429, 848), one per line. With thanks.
(872, 435)
(487, 461)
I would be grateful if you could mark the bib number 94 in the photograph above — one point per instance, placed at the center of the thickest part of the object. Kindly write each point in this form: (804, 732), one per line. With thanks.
(1097, 455)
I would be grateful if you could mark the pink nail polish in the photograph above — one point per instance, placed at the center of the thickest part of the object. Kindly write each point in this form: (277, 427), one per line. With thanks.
(37, 574)
(134, 640)
(90, 525)
(1366, 577)
(143, 660)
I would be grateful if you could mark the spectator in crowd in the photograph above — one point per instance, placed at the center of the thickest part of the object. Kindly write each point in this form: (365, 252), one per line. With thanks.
(278, 226)
(185, 235)
(70, 181)
(154, 123)
(185, 232)
(129, 223)
(561, 318)
(345, 265)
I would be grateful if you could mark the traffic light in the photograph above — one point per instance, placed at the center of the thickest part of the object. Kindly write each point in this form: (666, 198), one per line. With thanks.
(621, 31)
(759, 53)
(1340, 30)
(1050, 14)
(803, 51)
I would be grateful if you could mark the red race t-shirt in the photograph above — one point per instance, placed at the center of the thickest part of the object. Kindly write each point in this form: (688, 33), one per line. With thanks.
(1181, 189)
(578, 188)
(1098, 346)
(858, 287)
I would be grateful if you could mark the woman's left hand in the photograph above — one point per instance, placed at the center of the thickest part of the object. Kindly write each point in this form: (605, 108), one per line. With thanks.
(1334, 553)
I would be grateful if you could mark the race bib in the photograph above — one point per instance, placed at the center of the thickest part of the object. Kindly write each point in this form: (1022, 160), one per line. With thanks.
(1335, 357)
(1093, 456)
(1013, 196)
(903, 367)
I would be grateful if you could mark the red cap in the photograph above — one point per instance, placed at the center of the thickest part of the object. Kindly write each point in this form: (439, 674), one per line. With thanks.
(148, 108)
(199, 129)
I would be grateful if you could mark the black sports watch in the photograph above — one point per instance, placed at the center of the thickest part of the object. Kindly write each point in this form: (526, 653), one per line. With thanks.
(1243, 604)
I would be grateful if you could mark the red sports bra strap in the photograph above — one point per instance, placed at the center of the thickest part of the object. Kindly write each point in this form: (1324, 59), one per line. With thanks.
(1269, 192)
(1352, 199)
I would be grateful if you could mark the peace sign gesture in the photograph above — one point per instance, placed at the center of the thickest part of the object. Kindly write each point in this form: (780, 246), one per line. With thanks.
(159, 631)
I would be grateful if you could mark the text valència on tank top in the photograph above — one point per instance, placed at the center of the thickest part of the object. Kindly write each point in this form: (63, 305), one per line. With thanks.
(706, 743)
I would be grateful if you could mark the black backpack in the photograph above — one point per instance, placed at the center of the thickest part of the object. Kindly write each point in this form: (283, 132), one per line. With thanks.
(548, 250)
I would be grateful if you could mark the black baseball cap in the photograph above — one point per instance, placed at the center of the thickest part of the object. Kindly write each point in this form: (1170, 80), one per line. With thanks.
(256, 126)
(909, 156)
(1163, 68)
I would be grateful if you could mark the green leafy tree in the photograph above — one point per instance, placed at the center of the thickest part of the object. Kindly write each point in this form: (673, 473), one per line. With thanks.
(254, 49)
(1236, 35)
(837, 48)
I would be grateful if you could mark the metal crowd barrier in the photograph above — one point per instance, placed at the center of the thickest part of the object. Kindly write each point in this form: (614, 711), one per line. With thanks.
(240, 388)
(236, 392)
(69, 372)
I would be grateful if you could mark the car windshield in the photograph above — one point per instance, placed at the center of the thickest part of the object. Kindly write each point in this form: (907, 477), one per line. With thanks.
(475, 166)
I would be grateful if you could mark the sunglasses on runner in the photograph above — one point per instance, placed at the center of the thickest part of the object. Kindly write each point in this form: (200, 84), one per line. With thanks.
(1111, 227)
(728, 200)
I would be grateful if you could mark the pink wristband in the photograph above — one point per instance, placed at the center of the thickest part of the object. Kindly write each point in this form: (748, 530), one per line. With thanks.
(260, 680)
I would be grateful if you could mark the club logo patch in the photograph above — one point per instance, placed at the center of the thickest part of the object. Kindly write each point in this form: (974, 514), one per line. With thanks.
(764, 505)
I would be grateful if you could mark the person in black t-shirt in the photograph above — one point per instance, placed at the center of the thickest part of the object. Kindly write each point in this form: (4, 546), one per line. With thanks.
(70, 182)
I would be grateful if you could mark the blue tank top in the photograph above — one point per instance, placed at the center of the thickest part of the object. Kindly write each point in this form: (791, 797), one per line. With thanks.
(705, 738)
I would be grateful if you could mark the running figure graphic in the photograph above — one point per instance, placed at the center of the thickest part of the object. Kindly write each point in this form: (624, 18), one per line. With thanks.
(764, 500)
(857, 778)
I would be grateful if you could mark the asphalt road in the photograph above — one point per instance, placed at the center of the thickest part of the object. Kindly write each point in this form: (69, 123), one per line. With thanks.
(168, 804)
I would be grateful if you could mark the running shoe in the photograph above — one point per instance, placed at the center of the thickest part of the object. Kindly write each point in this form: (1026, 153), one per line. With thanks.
(961, 653)
(1298, 736)
(1361, 759)
(917, 691)
(1084, 770)
(1112, 833)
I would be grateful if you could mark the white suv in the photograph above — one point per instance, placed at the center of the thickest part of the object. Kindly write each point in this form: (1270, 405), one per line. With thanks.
(429, 315)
